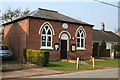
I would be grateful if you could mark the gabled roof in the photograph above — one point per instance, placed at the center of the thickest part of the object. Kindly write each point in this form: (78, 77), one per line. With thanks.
(51, 15)
(109, 36)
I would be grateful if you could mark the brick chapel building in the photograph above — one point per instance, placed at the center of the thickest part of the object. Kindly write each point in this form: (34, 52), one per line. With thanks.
(51, 31)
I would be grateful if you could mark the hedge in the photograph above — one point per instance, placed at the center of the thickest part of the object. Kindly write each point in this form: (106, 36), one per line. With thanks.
(37, 57)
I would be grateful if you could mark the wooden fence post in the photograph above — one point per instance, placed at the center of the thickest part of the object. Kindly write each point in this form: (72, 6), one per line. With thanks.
(93, 62)
(77, 63)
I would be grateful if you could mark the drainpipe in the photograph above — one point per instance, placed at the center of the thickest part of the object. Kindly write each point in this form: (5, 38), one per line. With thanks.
(67, 56)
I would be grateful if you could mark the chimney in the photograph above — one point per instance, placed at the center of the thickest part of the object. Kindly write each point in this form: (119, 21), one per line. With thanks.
(103, 27)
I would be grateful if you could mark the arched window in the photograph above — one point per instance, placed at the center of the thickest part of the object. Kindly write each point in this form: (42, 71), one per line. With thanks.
(46, 37)
(80, 39)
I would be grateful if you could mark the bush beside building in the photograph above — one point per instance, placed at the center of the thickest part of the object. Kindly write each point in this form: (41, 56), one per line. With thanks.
(38, 57)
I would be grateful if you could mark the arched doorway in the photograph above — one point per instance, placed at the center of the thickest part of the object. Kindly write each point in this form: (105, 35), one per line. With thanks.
(64, 45)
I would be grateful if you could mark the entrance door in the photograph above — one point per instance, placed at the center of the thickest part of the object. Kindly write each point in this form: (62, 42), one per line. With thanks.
(63, 49)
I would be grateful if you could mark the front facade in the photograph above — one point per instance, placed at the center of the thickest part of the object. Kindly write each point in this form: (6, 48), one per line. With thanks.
(53, 35)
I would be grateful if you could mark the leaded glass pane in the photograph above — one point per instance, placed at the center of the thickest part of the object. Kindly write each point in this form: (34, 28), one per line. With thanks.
(82, 35)
(78, 40)
(80, 30)
(48, 43)
(49, 32)
(43, 38)
(49, 38)
(46, 27)
(78, 44)
(82, 42)
(43, 43)
(78, 35)
(43, 31)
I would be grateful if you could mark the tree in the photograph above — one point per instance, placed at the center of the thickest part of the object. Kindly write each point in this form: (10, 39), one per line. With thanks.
(10, 15)
(117, 50)
(102, 46)
(117, 47)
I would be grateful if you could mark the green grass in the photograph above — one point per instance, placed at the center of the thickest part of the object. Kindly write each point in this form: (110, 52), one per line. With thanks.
(105, 62)
(67, 66)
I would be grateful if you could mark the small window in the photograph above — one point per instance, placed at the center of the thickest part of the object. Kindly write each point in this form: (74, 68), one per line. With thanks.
(107, 45)
(112, 46)
(4, 48)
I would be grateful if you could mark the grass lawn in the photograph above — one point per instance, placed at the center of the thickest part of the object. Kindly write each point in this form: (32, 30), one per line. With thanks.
(105, 62)
(67, 66)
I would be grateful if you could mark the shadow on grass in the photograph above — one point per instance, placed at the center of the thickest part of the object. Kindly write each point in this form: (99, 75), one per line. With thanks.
(53, 65)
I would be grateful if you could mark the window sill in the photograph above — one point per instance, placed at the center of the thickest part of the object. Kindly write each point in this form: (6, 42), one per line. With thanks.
(46, 48)
(81, 48)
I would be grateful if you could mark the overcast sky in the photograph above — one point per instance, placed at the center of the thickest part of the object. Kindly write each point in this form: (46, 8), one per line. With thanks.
(91, 12)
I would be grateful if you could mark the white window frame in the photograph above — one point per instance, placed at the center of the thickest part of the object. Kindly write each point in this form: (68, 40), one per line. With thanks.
(46, 47)
(107, 45)
(81, 48)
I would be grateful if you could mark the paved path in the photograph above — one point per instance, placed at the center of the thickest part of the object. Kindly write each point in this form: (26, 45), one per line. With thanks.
(103, 73)
(29, 72)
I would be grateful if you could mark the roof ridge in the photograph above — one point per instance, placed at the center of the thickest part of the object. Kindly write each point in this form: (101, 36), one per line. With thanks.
(73, 18)
(34, 12)
(47, 10)
(103, 31)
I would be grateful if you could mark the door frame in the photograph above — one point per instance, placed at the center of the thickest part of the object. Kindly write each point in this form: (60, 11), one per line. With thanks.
(65, 36)
(61, 49)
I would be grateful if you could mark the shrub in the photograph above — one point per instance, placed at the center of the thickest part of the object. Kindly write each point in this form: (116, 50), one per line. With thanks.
(117, 50)
(37, 57)
(117, 47)
(28, 54)
(117, 55)
(46, 59)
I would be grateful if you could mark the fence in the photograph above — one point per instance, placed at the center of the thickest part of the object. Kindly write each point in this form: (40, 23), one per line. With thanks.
(101, 53)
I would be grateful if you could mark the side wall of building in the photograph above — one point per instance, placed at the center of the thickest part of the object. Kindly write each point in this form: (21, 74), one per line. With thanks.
(15, 36)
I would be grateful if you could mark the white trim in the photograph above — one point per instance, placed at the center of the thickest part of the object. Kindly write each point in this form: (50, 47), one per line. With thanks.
(66, 32)
(80, 40)
(67, 41)
(46, 48)
(79, 29)
(81, 48)
(46, 35)
(49, 26)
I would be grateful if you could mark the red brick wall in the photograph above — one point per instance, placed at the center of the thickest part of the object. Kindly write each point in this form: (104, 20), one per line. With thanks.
(15, 36)
(34, 38)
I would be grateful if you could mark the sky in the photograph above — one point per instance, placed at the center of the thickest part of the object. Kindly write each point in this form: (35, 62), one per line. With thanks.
(91, 12)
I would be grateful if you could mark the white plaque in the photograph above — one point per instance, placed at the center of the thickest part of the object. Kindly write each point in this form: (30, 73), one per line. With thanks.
(65, 25)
